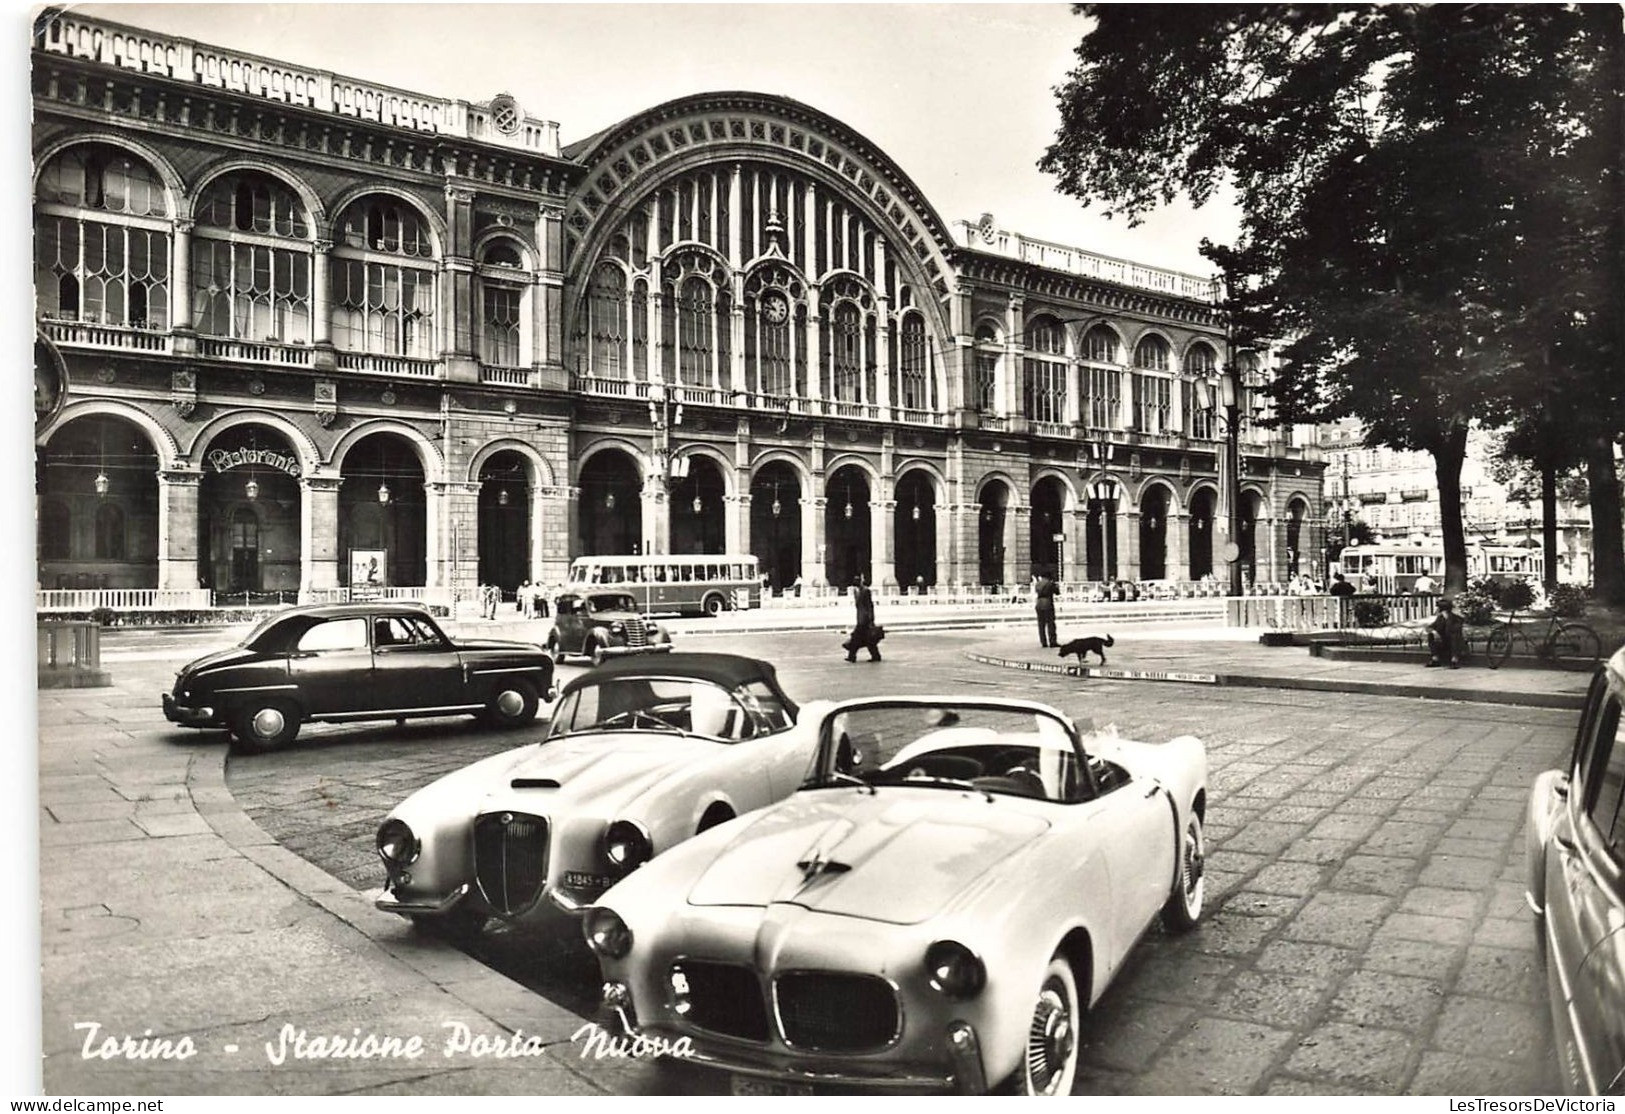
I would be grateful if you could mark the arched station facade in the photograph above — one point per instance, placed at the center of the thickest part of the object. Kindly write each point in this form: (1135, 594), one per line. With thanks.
(334, 342)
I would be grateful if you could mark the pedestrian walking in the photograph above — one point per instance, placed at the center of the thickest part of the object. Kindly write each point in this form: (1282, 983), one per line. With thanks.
(527, 600)
(489, 595)
(865, 634)
(1425, 585)
(1044, 589)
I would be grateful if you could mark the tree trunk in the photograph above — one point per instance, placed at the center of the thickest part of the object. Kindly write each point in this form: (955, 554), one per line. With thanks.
(1607, 538)
(1548, 523)
(1447, 461)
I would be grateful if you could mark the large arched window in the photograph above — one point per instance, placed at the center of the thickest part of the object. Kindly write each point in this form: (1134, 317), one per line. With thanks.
(988, 353)
(606, 323)
(1100, 345)
(1043, 373)
(1201, 365)
(383, 298)
(251, 261)
(503, 283)
(102, 239)
(914, 365)
(846, 353)
(1151, 353)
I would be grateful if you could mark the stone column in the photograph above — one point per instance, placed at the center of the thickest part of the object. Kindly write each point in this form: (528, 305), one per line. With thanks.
(1179, 555)
(1077, 544)
(318, 532)
(1017, 545)
(1128, 539)
(180, 290)
(815, 354)
(812, 542)
(321, 295)
(452, 518)
(1009, 385)
(882, 558)
(1268, 564)
(736, 523)
(178, 526)
(656, 522)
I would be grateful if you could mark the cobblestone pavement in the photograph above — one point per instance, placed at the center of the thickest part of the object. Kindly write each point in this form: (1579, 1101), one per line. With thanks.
(1366, 931)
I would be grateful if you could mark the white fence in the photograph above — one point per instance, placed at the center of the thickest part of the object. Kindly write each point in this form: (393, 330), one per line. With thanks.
(123, 599)
(439, 596)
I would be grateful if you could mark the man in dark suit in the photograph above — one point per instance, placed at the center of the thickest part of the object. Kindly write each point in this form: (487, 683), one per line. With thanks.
(864, 632)
(1044, 589)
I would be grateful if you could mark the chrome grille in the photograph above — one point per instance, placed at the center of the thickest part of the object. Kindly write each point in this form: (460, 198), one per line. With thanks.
(828, 1011)
(636, 634)
(510, 859)
(719, 997)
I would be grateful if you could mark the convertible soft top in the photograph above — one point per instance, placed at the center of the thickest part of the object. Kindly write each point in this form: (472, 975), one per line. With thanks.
(730, 670)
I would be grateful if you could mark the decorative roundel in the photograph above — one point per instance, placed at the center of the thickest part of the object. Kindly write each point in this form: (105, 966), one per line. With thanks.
(505, 115)
(775, 309)
(985, 227)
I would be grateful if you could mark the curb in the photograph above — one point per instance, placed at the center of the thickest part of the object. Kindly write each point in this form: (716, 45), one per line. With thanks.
(1571, 701)
(479, 989)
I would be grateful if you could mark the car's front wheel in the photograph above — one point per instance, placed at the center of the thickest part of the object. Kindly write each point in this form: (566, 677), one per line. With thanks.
(554, 649)
(265, 725)
(1184, 905)
(1049, 1064)
(512, 704)
(599, 656)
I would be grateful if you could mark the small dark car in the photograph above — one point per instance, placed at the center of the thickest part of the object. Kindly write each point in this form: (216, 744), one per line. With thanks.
(342, 662)
(1575, 847)
(603, 625)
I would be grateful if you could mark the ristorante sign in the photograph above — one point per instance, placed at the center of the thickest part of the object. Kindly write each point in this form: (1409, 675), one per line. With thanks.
(224, 460)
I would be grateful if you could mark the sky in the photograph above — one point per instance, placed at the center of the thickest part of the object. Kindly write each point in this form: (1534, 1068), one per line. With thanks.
(960, 96)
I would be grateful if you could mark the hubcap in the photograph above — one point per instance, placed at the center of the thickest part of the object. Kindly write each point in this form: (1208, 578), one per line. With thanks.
(268, 723)
(1194, 866)
(1050, 1041)
(510, 703)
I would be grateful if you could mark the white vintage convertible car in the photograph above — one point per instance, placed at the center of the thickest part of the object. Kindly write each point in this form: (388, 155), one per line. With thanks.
(641, 753)
(955, 884)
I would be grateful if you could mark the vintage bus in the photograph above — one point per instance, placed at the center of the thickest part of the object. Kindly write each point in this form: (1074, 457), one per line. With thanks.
(708, 583)
(1393, 567)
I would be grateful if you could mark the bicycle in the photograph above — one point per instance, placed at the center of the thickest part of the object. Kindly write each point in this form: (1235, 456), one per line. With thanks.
(1562, 642)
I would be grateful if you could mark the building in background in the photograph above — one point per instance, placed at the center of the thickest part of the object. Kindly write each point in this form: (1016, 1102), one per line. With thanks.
(1395, 493)
(289, 321)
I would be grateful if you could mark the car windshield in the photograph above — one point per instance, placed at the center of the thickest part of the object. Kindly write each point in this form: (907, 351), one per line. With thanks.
(682, 706)
(611, 601)
(1017, 752)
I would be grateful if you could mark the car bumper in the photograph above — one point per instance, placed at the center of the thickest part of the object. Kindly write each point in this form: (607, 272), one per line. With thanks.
(186, 716)
(624, 651)
(965, 1075)
(389, 903)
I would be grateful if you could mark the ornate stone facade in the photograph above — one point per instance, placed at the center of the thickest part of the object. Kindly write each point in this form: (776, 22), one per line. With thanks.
(727, 324)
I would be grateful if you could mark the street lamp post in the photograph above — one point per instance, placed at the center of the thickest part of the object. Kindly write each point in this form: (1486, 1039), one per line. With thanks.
(1229, 398)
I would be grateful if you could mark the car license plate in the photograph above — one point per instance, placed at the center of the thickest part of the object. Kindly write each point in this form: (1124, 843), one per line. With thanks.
(594, 884)
(753, 1085)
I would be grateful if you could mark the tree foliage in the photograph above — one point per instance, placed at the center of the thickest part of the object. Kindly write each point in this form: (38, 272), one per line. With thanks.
(1426, 194)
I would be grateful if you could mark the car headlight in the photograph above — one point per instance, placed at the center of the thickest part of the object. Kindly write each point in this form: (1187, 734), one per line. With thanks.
(607, 935)
(617, 627)
(627, 845)
(653, 628)
(397, 846)
(954, 969)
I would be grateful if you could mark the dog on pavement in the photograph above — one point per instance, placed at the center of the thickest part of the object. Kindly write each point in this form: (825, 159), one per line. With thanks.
(1089, 645)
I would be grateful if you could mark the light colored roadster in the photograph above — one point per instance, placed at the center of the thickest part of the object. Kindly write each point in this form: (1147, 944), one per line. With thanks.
(641, 753)
(1574, 840)
(954, 884)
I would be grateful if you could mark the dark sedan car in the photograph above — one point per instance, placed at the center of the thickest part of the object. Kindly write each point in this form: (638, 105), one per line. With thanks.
(603, 625)
(341, 662)
(1576, 857)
